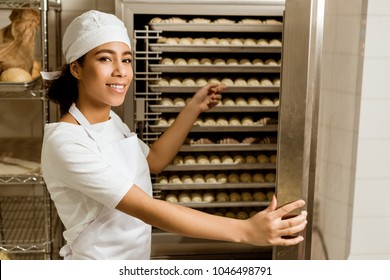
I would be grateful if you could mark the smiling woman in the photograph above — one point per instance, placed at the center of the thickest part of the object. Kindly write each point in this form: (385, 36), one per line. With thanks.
(98, 172)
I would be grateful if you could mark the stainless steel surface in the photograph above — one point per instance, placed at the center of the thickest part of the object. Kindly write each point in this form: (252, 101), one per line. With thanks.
(299, 112)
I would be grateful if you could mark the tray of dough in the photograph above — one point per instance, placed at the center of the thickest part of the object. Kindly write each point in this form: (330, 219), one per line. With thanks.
(214, 68)
(208, 27)
(221, 166)
(255, 109)
(205, 186)
(225, 204)
(214, 49)
(232, 89)
(237, 128)
(227, 147)
(18, 87)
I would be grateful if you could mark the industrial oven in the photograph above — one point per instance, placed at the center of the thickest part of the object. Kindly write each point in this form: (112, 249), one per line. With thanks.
(257, 141)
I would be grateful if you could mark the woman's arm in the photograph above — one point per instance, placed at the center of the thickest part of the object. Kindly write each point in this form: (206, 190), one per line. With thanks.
(265, 228)
(166, 147)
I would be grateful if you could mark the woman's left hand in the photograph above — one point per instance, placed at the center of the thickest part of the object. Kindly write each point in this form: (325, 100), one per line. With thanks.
(207, 97)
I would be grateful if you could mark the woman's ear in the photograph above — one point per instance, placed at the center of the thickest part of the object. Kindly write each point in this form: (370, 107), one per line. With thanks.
(75, 69)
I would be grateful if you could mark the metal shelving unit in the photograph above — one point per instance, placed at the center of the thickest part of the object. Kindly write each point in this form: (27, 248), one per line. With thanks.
(27, 221)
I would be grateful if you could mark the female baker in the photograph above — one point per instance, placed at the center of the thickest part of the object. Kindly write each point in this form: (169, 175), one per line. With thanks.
(98, 172)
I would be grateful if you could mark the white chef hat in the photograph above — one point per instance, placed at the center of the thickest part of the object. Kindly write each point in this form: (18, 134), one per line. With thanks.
(89, 30)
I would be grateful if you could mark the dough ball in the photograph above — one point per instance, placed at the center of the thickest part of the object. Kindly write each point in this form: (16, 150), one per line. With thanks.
(215, 159)
(198, 122)
(156, 20)
(241, 101)
(224, 21)
(171, 121)
(167, 61)
(162, 180)
(223, 42)
(166, 101)
(171, 198)
(250, 159)
(222, 121)
(234, 196)
(228, 102)
(178, 160)
(253, 101)
(253, 82)
(196, 197)
(189, 82)
(211, 41)
(15, 75)
(239, 82)
(180, 61)
(245, 61)
(265, 101)
(257, 61)
(209, 121)
(193, 61)
(238, 159)
(227, 159)
(174, 179)
(247, 121)
(249, 42)
(202, 159)
(242, 215)
(184, 198)
(206, 61)
(222, 197)
(175, 82)
(276, 82)
(266, 82)
(263, 159)
(210, 178)
(233, 178)
(201, 82)
(208, 197)
(171, 41)
(276, 101)
(236, 42)
(250, 21)
(187, 179)
(219, 61)
(199, 41)
(214, 81)
(189, 160)
(199, 20)
(272, 21)
(232, 61)
(275, 42)
(271, 62)
(245, 178)
(258, 178)
(198, 178)
(163, 82)
(162, 122)
(234, 121)
(178, 101)
(185, 41)
(270, 177)
(273, 158)
(262, 42)
(246, 196)
(221, 178)
(162, 40)
(259, 196)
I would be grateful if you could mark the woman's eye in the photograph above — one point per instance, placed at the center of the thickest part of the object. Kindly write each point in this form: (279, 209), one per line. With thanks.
(127, 60)
(104, 59)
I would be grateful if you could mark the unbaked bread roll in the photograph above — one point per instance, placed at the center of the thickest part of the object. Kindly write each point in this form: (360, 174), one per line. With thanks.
(193, 61)
(241, 101)
(188, 82)
(270, 177)
(250, 21)
(265, 82)
(250, 159)
(253, 82)
(201, 82)
(171, 121)
(246, 196)
(156, 20)
(208, 197)
(214, 81)
(221, 178)
(234, 121)
(275, 42)
(250, 140)
(222, 197)
(178, 160)
(222, 121)
(249, 42)
(171, 198)
(206, 61)
(247, 121)
(198, 178)
(174, 179)
(258, 61)
(265, 101)
(210, 178)
(178, 101)
(187, 179)
(199, 41)
(233, 178)
(15, 75)
(262, 158)
(175, 82)
(180, 61)
(162, 40)
(212, 41)
(162, 180)
(246, 178)
(258, 178)
(228, 141)
(228, 102)
(276, 82)
(189, 160)
(214, 159)
(185, 41)
(162, 122)
(163, 82)
(224, 21)
(226, 159)
(272, 21)
(232, 61)
(253, 101)
(167, 61)
(259, 196)
(219, 61)
(196, 197)
(209, 121)
(199, 20)
(237, 42)
(238, 159)
(273, 158)
(184, 197)
(198, 122)
(202, 159)
(276, 101)
(262, 42)
(271, 62)
(239, 82)
(172, 41)
(166, 101)
(245, 61)
(234, 196)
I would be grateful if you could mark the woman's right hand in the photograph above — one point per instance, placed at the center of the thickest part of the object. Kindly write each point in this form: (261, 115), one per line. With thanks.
(272, 227)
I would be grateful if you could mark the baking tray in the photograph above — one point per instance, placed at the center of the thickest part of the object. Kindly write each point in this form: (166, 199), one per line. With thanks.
(216, 27)
(227, 147)
(214, 68)
(221, 166)
(18, 87)
(237, 128)
(219, 108)
(232, 89)
(207, 186)
(215, 49)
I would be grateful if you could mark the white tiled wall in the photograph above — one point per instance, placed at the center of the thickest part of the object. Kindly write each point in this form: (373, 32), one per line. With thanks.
(371, 215)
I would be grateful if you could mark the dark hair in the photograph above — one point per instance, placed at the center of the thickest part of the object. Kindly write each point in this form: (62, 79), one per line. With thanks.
(64, 90)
